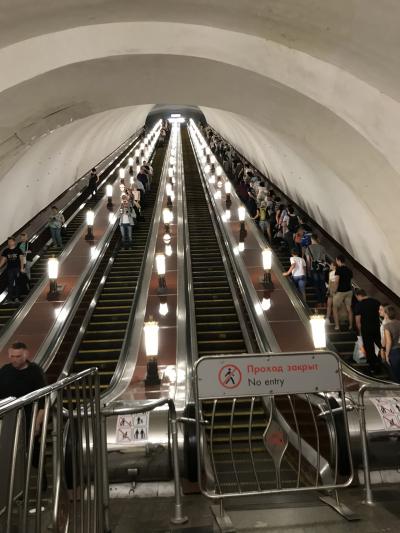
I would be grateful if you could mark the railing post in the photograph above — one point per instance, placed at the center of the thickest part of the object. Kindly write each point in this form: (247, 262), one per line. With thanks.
(104, 466)
(178, 517)
(364, 447)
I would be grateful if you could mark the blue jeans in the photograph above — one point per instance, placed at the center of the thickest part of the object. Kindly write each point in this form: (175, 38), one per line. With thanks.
(318, 279)
(126, 232)
(394, 359)
(300, 282)
(56, 236)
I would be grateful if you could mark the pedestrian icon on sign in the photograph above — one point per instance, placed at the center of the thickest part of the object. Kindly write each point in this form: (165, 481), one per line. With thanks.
(230, 376)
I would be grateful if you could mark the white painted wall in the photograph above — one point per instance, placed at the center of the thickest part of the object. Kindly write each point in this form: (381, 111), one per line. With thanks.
(57, 160)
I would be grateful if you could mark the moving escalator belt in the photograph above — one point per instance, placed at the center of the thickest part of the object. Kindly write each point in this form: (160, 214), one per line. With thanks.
(103, 340)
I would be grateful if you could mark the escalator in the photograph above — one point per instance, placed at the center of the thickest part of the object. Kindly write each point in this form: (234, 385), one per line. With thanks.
(104, 336)
(221, 329)
(44, 251)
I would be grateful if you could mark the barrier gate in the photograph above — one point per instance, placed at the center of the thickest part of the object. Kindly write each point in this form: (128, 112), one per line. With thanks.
(271, 423)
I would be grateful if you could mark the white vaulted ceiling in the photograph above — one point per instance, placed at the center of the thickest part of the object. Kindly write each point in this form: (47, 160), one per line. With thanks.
(308, 89)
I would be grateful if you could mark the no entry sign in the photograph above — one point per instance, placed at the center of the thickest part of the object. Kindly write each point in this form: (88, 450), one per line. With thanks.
(231, 376)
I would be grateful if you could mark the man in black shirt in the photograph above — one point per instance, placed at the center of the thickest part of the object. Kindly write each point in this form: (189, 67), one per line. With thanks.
(21, 377)
(342, 291)
(93, 181)
(366, 313)
(15, 260)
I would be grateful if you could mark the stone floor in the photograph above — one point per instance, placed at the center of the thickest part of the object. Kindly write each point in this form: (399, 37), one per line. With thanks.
(262, 515)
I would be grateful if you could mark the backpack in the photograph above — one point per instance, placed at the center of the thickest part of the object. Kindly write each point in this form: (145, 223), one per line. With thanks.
(293, 223)
(305, 240)
(263, 213)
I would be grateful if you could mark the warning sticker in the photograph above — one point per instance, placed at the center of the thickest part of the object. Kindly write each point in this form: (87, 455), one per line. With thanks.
(389, 411)
(132, 429)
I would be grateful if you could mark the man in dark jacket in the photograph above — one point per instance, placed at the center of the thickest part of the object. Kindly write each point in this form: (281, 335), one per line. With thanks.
(18, 378)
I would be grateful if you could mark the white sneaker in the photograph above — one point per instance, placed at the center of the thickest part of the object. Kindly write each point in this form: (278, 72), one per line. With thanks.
(33, 510)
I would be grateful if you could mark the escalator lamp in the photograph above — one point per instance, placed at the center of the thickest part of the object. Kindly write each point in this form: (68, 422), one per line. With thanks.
(211, 179)
(109, 190)
(168, 250)
(228, 187)
(267, 259)
(241, 246)
(266, 304)
(227, 214)
(168, 216)
(121, 173)
(217, 195)
(52, 267)
(241, 213)
(318, 331)
(167, 238)
(207, 169)
(90, 217)
(208, 150)
(160, 264)
(213, 159)
(137, 153)
(168, 189)
(219, 170)
(151, 338)
(163, 310)
(170, 172)
(130, 161)
(111, 218)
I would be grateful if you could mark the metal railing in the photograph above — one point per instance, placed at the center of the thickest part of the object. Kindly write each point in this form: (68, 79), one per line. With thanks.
(367, 388)
(272, 442)
(71, 459)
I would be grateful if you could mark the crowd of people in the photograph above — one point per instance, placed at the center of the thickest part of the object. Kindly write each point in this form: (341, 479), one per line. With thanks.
(132, 197)
(377, 325)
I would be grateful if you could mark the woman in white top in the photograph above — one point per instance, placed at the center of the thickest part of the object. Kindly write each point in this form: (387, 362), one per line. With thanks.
(331, 290)
(298, 271)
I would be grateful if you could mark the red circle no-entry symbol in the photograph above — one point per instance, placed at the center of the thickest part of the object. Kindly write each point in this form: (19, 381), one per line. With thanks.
(230, 376)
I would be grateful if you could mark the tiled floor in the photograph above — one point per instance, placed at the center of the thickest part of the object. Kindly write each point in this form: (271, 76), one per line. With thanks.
(268, 515)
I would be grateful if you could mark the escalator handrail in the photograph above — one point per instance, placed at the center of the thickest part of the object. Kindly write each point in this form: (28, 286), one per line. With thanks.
(51, 344)
(262, 330)
(90, 310)
(189, 294)
(46, 355)
(136, 318)
(185, 341)
(226, 257)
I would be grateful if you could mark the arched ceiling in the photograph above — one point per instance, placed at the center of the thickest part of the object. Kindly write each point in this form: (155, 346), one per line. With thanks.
(309, 89)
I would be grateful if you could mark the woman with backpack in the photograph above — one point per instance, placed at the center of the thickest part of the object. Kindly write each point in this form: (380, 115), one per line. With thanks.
(290, 225)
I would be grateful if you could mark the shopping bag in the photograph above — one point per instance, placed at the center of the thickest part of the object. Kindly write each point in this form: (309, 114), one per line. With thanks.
(359, 352)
